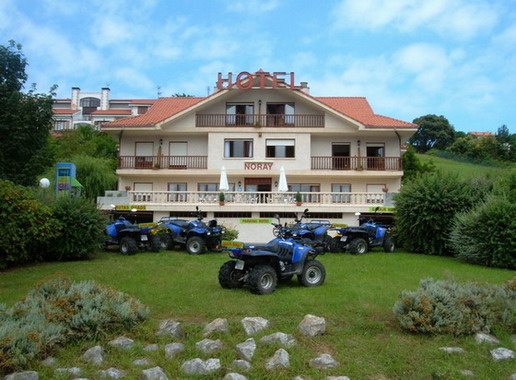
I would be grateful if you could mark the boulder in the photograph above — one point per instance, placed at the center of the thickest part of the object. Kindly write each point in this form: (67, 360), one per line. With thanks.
(113, 373)
(311, 326)
(73, 371)
(452, 350)
(234, 376)
(25, 375)
(485, 338)
(208, 346)
(198, 366)
(246, 349)
(502, 354)
(324, 361)
(122, 342)
(94, 355)
(170, 328)
(155, 373)
(151, 347)
(253, 325)
(172, 349)
(144, 362)
(217, 325)
(242, 365)
(286, 340)
(280, 359)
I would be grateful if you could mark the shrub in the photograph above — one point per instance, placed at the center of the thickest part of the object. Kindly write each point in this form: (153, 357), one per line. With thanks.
(81, 226)
(486, 234)
(230, 233)
(58, 312)
(442, 307)
(425, 208)
(27, 225)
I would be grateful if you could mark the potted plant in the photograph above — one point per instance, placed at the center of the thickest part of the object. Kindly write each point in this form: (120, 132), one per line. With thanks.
(157, 166)
(299, 199)
(222, 198)
(128, 188)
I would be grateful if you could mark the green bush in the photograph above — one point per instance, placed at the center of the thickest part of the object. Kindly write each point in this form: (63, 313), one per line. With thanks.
(442, 307)
(81, 226)
(60, 311)
(230, 233)
(486, 234)
(425, 208)
(27, 226)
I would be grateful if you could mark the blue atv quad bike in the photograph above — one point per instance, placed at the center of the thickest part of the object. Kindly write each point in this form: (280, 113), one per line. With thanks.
(260, 267)
(316, 230)
(193, 235)
(359, 240)
(129, 237)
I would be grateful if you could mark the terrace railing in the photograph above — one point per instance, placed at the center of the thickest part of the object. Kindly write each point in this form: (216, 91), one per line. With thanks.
(356, 163)
(162, 162)
(262, 120)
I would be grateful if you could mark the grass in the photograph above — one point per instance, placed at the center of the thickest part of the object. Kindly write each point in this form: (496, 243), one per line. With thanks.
(461, 168)
(356, 300)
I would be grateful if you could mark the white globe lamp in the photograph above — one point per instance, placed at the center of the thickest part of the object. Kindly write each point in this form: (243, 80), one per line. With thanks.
(44, 183)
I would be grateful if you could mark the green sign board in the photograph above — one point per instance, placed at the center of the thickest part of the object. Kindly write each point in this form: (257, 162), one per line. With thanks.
(381, 209)
(255, 221)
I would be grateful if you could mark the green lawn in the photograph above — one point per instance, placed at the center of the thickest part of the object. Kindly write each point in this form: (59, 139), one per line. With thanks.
(461, 168)
(356, 300)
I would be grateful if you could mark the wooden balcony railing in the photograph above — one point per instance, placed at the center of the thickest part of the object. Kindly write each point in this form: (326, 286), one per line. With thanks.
(258, 197)
(356, 163)
(254, 120)
(162, 162)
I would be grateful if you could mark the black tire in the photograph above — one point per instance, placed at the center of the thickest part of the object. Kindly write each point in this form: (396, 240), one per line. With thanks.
(388, 244)
(335, 246)
(165, 241)
(327, 242)
(358, 246)
(154, 243)
(128, 246)
(314, 274)
(262, 279)
(229, 277)
(195, 245)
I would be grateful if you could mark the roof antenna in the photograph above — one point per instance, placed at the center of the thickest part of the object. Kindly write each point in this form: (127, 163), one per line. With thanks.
(159, 92)
(208, 90)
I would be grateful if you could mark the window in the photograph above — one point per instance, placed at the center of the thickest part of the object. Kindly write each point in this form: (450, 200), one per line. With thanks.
(177, 197)
(142, 109)
(211, 194)
(238, 148)
(144, 155)
(240, 114)
(306, 188)
(341, 188)
(145, 192)
(375, 156)
(280, 114)
(60, 125)
(89, 105)
(178, 155)
(280, 148)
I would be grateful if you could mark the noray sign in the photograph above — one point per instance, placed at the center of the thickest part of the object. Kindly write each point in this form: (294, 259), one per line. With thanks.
(244, 80)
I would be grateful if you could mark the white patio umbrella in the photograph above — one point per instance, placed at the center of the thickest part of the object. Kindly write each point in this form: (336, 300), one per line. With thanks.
(282, 184)
(223, 183)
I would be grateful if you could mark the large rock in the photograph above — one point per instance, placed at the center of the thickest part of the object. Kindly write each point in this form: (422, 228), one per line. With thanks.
(25, 375)
(280, 359)
(143, 362)
(112, 373)
(170, 328)
(155, 373)
(217, 325)
(122, 342)
(94, 355)
(502, 354)
(311, 326)
(246, 349)
(485, 338)
(286, 340)
(172, 349)
(324, 361)
(198, 366)
(208, 346)
(452, 350)
(253, 325)
(234, 376)
(242, 365)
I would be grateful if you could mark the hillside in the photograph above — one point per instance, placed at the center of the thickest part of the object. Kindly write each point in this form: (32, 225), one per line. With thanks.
(462, 168)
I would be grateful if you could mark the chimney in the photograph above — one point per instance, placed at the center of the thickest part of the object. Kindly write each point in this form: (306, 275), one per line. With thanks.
(104, 98)
(75, 97)
(304, 87)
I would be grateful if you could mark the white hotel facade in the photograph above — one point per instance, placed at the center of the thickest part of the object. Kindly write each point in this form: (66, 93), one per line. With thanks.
(336, 152)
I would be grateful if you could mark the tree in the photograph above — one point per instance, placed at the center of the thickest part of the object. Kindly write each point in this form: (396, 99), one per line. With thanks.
(412, 166)
(433, 132)
(25, 121)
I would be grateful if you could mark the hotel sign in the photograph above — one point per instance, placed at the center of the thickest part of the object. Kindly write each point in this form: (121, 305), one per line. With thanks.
(244, 80)
(258, 165)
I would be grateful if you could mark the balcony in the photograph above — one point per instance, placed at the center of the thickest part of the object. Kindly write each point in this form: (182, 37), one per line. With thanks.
(262, 198)
(254, 120)
(357, 163)
(163, 162)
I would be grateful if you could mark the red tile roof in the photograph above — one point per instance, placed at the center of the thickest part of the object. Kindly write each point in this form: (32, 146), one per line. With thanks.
(115, 111)
(481, 133)
(64, 111)
(162, 109)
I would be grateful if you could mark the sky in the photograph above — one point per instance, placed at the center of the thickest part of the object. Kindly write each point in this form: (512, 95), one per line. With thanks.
(409, 58)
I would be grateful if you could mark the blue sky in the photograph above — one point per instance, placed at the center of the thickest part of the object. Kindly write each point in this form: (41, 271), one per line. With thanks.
(410, 58)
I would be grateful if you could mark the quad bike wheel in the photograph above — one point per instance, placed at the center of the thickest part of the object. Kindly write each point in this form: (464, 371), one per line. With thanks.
(229, 277)
(128, 246)
(388, 244)
(195, 245)
(155, 243)
(335, 245)
(358, 246)
(262, 279)
(314, 274)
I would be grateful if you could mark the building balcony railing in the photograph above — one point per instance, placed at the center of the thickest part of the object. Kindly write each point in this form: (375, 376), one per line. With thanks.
(163, 162)
(254, 120)
(260, 197)
(356, 163)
